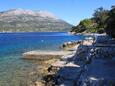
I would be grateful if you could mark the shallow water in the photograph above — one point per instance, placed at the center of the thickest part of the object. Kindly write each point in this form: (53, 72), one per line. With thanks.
(15, 71)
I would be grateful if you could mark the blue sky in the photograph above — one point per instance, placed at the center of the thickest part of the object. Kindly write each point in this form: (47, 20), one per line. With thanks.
(71, 11)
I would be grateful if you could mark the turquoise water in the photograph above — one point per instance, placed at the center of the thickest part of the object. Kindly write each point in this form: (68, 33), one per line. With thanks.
(15, 71)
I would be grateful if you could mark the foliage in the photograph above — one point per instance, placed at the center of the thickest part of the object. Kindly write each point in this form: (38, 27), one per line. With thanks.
(100, 15)
(110, 29)
(95, 24)
(86, 24)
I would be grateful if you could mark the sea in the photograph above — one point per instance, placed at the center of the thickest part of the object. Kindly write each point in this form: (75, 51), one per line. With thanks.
(14, 71)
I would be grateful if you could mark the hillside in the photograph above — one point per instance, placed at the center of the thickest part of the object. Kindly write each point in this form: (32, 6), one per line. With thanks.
(28, 21)
(96, 24)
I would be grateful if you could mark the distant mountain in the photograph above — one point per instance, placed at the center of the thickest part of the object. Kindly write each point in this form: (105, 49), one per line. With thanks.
(27, 20)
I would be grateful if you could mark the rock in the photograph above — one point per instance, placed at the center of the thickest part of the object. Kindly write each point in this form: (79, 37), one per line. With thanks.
(44, 55)
(39, 83)
(49, 80)
(70, 44)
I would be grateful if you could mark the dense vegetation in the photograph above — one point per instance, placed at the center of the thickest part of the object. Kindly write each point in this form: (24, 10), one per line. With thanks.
(102, 21)
(110, 28)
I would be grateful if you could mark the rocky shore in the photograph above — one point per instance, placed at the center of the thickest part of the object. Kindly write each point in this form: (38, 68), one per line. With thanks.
(45, 59)
(51, 66)
(89, 64)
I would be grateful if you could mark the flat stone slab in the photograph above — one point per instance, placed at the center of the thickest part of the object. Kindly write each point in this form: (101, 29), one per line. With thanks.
(59, 64)
(44, 55)
(64, 64)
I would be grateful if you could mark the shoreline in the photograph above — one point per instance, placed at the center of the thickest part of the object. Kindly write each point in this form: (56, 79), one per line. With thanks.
(80, 65)
(51, 66)
(87, 60)
(20, 44)
(48, 65)
(34, 32)
(69, 69)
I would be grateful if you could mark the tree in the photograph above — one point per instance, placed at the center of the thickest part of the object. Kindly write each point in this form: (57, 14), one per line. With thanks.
(87, 25)
(100, 16)
(110, 28)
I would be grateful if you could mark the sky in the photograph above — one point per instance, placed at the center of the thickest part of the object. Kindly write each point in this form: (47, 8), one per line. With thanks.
(72, 11)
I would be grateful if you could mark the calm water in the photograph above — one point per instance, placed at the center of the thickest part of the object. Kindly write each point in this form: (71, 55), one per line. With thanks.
(13, 69)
